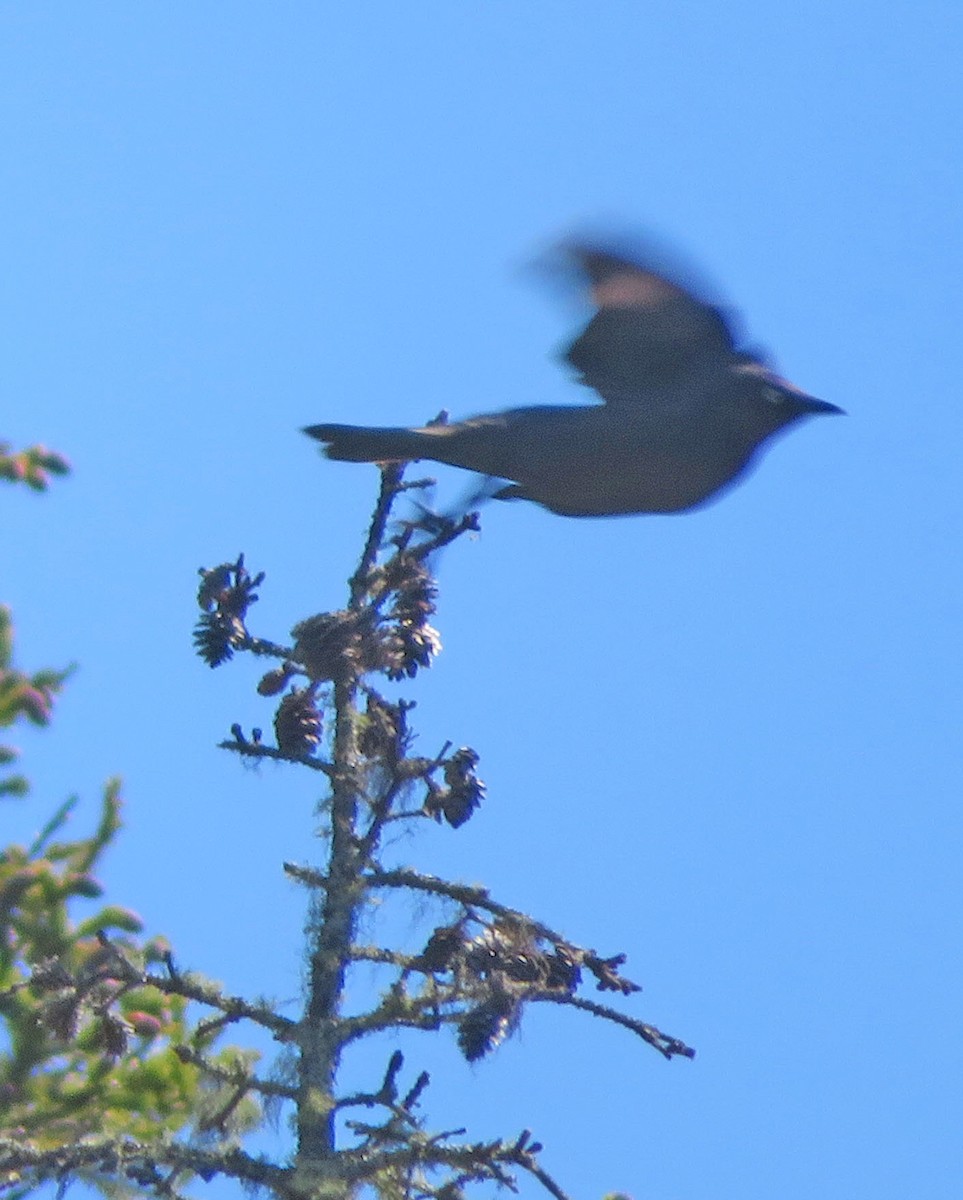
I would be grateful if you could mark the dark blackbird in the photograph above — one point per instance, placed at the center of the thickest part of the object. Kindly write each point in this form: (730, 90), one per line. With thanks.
(685, 411)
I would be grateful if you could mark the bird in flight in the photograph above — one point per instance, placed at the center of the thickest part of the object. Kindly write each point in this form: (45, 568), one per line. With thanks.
(685, 411)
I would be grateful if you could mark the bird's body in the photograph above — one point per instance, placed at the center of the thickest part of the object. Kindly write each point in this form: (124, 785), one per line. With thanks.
(685, 412)
(665, 457)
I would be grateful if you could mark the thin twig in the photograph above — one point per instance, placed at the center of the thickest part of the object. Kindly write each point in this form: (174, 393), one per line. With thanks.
(202, 991)
(465, 894)
(235, 1076)
(391, 475)
(382, 814)
(667, 1046)
(256, 750)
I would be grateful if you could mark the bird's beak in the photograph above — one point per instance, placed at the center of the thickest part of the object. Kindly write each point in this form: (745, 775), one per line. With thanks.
(810, 404)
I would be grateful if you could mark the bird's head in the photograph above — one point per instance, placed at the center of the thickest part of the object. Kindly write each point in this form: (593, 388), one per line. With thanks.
(772, 401)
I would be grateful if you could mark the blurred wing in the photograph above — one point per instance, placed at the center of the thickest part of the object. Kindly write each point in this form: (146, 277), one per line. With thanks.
(647, 333)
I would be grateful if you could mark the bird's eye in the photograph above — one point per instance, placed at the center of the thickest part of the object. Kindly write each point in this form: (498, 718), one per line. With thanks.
(773, 395)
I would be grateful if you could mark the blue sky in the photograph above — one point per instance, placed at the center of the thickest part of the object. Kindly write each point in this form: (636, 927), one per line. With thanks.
(725, 743)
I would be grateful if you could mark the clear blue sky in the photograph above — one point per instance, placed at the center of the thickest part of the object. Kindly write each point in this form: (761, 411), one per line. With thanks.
(726, 743)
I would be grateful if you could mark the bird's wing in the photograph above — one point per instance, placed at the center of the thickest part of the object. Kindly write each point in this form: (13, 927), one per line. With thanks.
(648, 332)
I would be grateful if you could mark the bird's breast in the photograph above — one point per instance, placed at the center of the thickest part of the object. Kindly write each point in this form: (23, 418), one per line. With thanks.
(624, 459)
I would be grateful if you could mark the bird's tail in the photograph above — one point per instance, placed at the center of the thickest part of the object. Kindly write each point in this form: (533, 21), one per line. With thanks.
(355, 443)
